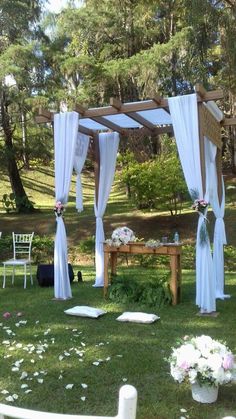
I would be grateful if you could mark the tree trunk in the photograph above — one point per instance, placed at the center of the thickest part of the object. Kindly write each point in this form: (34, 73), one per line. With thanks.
(22, 202)
(24, 140)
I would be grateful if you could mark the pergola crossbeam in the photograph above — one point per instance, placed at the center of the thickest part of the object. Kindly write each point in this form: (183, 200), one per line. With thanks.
(108, 124)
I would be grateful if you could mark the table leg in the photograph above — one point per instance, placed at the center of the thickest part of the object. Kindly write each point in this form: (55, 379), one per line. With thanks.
(106, 262)
(173, 279)
(179, 278)
(113, 263)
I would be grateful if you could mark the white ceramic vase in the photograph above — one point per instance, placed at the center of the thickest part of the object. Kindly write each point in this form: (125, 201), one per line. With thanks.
(204, 393)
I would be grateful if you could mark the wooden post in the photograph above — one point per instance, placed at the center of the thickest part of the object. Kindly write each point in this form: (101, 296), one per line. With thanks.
(219, 173)
(96, 154)
(201, 148)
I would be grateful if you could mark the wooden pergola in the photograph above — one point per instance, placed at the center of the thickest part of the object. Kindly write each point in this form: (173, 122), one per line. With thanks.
(151, 116)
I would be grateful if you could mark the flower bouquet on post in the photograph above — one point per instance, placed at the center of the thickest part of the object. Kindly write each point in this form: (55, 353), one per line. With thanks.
(200, 205)
(59, 209)
(121, 235)
(204, 363)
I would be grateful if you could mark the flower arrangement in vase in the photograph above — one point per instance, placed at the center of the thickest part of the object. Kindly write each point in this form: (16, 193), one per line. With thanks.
(121, 235)
(204, 363)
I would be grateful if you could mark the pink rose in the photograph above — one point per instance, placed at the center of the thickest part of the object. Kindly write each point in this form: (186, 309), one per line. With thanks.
(184, 365)
(7, 315)
(228, 362)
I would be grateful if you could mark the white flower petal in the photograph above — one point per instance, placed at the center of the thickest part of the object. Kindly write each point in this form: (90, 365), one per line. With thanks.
(69, 386)
(9, 399)
(23, 375)
(96, 363)
(61, 357)
(15, 396)
(5, 392)
(83, 398)
(183, 410)
(28, 391)
(124, 379)
(40, 380)
(24, 386)
(15, 369)
(84, 385)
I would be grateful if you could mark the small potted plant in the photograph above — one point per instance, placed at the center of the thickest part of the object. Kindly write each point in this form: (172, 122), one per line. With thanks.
(204, 363)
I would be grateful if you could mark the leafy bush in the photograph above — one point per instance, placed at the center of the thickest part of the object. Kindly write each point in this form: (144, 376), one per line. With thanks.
(152, 293)
(157, 183)
(43, 249)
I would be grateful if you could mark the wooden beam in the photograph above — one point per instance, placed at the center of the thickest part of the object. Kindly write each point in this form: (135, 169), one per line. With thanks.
(141, 120)
(46, 114)
(86, 131)
(80, 109)
(41, 119)
(200, 90)
(228, 122)
(108, 124)
(157, 99)
(115, 103)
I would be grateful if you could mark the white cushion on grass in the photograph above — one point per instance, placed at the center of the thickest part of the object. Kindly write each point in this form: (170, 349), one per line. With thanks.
(137, 317)
(85, 311)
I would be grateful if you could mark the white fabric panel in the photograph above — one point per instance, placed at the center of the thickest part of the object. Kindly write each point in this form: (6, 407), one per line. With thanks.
(218, 209)
(65, 135)
(123, 121)
(184, 114)
(108, 147)
(81, 150)
(156, 116)
(90, 124)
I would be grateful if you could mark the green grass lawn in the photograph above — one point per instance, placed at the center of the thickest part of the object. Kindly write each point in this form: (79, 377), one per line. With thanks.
(63, 349)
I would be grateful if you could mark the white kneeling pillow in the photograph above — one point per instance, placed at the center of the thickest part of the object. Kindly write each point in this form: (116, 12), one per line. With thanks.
(137, 317)
(85, 311)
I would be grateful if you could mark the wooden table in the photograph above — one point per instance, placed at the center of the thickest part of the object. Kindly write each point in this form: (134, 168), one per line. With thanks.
(170, 249)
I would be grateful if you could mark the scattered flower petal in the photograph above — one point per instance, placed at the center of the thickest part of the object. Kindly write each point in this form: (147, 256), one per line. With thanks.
(28, 391)
(124, 379)
(96, 363)
(69, 386)
(84, 385)
(83, 398)
(9, 399)
(5, 392)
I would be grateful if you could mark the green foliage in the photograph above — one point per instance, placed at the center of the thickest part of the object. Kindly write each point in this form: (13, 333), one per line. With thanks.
(87, 245)
(43, 249)
(8, 202)
(151, 293)
(157, 183)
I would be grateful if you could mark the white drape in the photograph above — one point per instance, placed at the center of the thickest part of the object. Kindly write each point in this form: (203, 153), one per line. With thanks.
(108, 147)
(65, 135)
(184, 114)
(218, 209)
(81, 150)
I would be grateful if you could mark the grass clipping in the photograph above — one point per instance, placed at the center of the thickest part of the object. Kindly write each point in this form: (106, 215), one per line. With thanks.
(154, 293)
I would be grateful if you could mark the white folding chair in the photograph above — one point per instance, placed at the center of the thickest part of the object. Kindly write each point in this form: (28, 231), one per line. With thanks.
(22, 244)
(126, 409)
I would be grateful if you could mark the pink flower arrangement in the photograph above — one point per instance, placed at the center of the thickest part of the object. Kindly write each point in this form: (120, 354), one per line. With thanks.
(200, 205)
(59, 209)
(202, 360)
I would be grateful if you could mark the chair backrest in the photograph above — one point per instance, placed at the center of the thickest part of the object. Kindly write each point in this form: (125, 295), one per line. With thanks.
(126, 409)
(22, 244)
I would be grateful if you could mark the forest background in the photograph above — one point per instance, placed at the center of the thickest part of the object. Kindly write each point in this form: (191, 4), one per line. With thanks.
(129, 49)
